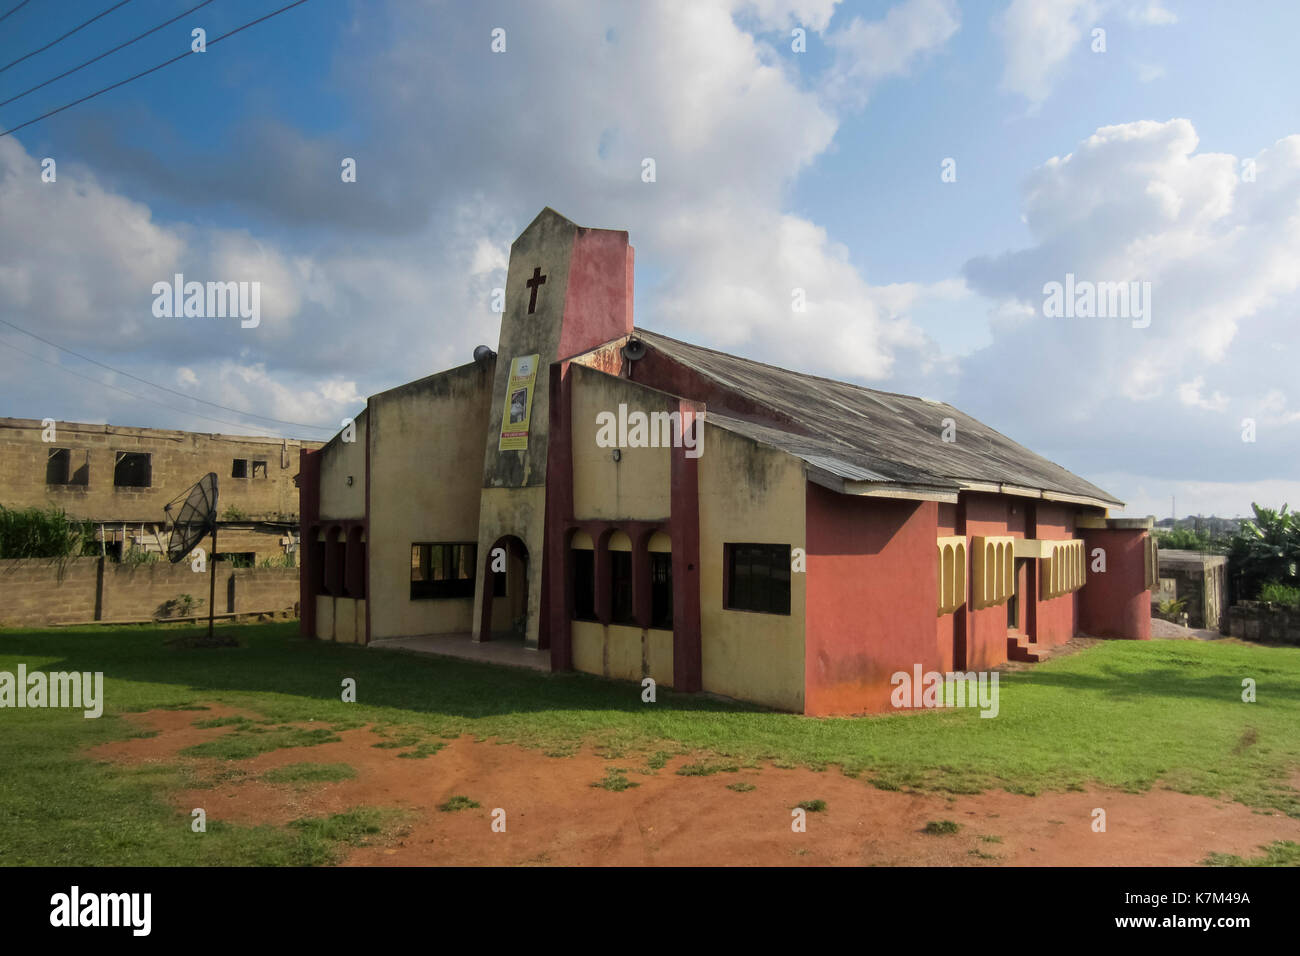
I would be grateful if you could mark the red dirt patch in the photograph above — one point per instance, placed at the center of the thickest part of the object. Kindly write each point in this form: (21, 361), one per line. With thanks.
(176, 731)
(554, 815)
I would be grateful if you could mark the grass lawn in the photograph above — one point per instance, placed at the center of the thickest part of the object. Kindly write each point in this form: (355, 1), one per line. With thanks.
(1121, 714)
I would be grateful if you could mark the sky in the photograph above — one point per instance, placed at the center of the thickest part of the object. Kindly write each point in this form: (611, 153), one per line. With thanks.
(922, 170)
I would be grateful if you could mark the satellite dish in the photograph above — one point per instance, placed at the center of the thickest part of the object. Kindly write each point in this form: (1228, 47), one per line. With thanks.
(193, 515)
(633, 350)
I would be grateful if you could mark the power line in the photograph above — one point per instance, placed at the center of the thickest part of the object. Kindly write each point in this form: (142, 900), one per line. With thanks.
(97, 16)
(164, 388)
(15, 9)
(101, 56)
(152, 69)
(138, 398)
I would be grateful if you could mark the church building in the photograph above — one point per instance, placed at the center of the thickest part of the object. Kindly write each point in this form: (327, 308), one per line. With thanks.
(629, 505)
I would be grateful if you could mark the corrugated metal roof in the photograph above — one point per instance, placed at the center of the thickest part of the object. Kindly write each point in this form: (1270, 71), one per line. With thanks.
(843, 469)
(861, 434)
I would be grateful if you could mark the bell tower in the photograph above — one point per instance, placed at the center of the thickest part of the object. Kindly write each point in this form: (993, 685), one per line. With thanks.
(568, 289)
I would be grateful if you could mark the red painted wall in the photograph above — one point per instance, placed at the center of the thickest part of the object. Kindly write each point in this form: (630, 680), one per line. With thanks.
(598, 304)
(1116, 603)
(1058, 619)
(872, 596)
(946, 626)
(986, 628)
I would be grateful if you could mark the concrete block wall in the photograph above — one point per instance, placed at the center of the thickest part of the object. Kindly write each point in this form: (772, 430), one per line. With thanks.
(36, 592)
(40, 592)
(1258, 621)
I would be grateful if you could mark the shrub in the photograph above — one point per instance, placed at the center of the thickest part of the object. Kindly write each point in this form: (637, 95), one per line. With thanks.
(1275, 592)
(33, 533)
(1172, 610)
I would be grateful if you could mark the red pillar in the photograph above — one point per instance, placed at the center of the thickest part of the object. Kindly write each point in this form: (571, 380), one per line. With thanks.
(557, 572)
(641, 604)
(1029, 600)
(1116, 602)
(685, 534)
(308, 516)
(961, 616)
(354, 571)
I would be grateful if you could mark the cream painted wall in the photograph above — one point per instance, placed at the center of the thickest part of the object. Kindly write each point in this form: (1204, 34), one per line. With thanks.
(622, 652)
(520, 512)
(425, 454)
(338, 460)
(638, 486)
(750, 494)
(325, 617)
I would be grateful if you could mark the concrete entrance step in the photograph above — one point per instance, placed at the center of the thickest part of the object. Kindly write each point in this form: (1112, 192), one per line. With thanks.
(1020, 648)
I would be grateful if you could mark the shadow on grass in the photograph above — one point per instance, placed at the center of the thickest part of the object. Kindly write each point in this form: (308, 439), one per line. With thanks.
(274, 659)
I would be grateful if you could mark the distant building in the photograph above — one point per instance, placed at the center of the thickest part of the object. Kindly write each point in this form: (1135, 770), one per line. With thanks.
(1200, 580)
(635, 506)
(121, 477)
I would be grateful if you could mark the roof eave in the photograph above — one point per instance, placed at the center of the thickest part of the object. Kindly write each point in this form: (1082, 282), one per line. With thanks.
(878, 489)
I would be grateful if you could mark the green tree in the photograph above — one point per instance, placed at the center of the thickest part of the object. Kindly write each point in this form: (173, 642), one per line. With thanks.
(1266, 549)
(1186, 539)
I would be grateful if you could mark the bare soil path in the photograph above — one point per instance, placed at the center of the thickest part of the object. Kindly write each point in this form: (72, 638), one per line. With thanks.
(554, 816)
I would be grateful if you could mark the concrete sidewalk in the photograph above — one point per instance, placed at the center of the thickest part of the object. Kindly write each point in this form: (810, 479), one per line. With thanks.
(507, 651)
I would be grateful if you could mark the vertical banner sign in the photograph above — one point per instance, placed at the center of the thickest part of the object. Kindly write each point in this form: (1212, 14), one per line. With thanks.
(519, 403)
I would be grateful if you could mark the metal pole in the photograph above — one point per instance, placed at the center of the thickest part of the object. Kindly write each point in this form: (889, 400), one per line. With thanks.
(212, 581)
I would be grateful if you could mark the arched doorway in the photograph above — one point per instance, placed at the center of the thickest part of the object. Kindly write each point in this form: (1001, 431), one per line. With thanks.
(505, 598)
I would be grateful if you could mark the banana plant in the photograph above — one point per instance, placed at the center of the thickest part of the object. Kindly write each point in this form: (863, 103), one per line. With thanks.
(1267, 548)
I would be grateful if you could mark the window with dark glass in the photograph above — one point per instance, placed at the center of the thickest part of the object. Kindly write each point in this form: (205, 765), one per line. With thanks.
(620, 584)
(239, 468)
(584, 585)
(442, 570)
(758, 578)
(661, 590)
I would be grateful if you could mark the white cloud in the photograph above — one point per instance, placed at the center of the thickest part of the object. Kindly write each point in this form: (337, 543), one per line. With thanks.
(1138, 202)
(867, 51)
(1150, 72)
(1152, 13)
(779, 14)
(1038, 36)
(1189, 393)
